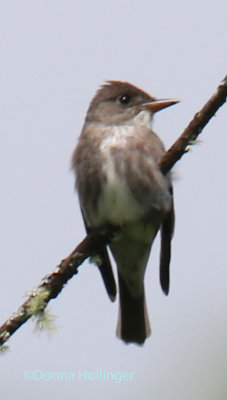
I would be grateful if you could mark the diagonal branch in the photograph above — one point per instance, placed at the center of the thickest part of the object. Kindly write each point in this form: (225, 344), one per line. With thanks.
(53, 283)
(195, 127)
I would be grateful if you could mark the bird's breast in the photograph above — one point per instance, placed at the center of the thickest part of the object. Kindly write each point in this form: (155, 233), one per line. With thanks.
(117, 205)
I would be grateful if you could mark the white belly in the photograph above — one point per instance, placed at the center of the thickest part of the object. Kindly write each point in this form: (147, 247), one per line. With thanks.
(117, 204)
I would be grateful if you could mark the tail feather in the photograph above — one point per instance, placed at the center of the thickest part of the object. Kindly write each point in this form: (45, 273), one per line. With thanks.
(133, 323)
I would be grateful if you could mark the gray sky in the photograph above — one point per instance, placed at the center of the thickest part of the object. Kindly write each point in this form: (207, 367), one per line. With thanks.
(54, 55)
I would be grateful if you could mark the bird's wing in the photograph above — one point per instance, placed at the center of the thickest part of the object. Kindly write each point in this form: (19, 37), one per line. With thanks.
(167, 229)
(102, 261)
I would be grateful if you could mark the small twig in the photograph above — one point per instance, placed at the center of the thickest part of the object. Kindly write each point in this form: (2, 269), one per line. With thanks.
(53, 283)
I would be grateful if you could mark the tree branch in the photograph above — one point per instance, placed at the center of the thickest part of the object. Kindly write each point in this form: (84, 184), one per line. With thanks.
(195, 127)
(53, 283)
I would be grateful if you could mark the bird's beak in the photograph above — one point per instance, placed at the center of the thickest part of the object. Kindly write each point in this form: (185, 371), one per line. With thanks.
(158, 105)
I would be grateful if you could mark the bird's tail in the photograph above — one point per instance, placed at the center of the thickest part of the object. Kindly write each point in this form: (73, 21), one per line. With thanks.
(133, 323)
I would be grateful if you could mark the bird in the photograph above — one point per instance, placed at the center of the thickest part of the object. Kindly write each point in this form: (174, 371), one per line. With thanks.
(121, 188)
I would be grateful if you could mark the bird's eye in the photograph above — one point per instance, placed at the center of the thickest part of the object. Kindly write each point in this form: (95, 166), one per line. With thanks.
(125, 99)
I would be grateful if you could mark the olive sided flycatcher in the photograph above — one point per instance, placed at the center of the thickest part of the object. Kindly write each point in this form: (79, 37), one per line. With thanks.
(121, 187)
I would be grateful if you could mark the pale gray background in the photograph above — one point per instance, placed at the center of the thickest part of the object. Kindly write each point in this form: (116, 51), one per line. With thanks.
(53, 56)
